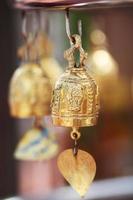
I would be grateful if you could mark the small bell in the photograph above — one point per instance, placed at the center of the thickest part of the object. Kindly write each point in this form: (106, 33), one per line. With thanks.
(29, 92)
(75, 104)
(30, 88)
(75, 98)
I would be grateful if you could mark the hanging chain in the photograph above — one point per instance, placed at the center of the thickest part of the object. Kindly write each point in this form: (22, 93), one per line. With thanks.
(75, 135)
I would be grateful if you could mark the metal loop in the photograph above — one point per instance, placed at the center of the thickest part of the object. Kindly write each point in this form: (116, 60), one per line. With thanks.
(68, 29)
(75, 134)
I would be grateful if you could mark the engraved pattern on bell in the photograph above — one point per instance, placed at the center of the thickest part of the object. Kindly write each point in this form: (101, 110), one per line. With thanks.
(75, 100)
(29, 92)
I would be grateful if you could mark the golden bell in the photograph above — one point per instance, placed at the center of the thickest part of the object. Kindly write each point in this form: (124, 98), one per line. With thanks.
(75, 100)
(29, 92)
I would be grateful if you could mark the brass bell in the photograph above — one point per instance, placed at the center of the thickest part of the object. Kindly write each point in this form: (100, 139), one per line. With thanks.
(29, 92)
(75, 104)
(75, 100)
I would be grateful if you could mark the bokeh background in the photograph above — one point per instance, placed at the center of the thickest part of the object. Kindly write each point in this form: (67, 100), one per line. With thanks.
(108, 38)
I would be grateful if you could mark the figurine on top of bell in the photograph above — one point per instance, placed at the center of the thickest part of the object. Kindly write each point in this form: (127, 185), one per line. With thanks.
(30, 88)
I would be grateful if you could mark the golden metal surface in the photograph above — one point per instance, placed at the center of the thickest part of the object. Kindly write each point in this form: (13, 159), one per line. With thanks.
(75, 134)
(75, 100)
(78, 170)
(37, 145)
(29, 92)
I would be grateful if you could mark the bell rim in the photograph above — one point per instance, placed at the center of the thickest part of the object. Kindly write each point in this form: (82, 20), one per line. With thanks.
(70, 121)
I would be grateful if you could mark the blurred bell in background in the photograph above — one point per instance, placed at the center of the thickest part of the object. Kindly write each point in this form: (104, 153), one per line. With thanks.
(107, 36)
(35, 78)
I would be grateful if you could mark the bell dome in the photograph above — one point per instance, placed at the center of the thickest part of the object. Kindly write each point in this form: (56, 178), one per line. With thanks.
(75, 99)
(29, 92)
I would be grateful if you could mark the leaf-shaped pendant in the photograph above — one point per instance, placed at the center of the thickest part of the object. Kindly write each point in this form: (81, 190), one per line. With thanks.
(78, 170)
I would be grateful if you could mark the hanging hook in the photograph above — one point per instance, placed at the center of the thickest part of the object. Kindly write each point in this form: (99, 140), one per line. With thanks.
(35, 23)
(24, 32)
(45, 25)
(76, 44)
(80, 27)
(68, 29)
(30, 27)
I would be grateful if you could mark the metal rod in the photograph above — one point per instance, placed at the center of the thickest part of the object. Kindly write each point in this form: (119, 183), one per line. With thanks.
(24, 21)
(68, 29)
(80, 27)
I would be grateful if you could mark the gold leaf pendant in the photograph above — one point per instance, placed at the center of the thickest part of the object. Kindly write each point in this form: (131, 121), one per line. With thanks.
(78, 170)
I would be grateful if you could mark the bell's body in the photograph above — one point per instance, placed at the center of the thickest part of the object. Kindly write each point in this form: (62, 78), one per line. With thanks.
(30, 92)
(76, 99)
